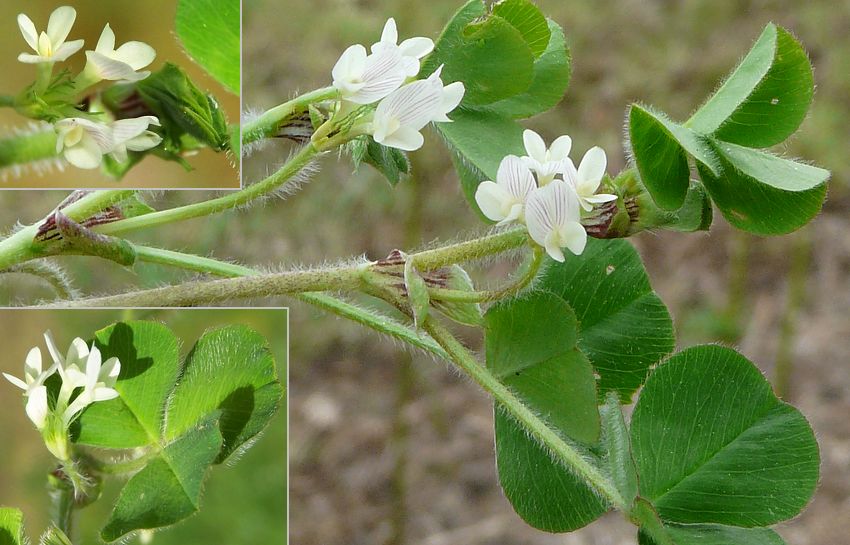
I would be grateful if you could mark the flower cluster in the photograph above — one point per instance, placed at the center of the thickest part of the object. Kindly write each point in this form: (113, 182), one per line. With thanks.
(85, 379)
(549, 206)
(386, 77)
(84, 141)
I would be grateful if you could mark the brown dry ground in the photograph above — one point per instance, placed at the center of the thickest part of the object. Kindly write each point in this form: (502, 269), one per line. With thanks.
(392, 449)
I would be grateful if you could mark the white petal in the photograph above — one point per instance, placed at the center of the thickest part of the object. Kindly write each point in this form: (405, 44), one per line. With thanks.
(109, 371)
(385, 71)
(104, 394)
(573, 237)
(93, 366)
(119, 153)
(515, 176)
(29, 58)
(553, 247)
(136, 54)
(600, 198)
(491, 199)
(414, 105)
(549, 209)
(404, 138)
(592, 167)
(101, 133)
(416, 47)
(33, 366)
(126, 129)
(37, 406)
(144, 141)
(77, 352)
(28, 30)
(452, 95)
(537, 217)
(106, 42)
(109, 69)
(535, 147)
(514, 214)
(16, 381)
(351, 64)
(560, 148)
(51, 347)
(60, 23)
(87, 154)
(390, 33)
(64, 51)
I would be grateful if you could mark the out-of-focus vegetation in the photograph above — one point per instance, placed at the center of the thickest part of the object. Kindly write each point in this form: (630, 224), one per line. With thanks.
(151, 22)
(243, 503)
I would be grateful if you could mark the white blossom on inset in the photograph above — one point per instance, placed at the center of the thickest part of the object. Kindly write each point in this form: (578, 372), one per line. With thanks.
(546, 162)
(587, 177)
(553, 218)
(365, 79)
(98, 384)
(123, 64)
(504, 200)
(411, 49)
(82, 142)
(34, 376)
(50, 46)
(399, 117)
(133, 135)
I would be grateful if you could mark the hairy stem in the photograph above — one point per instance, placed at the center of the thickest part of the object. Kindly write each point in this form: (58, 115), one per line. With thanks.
(566, 453)
(213, 206)
(28, 148)
(269, 123)
(470, 250)
(486, 296)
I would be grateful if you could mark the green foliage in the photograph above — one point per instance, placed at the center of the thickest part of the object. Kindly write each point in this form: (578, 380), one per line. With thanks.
(461, 312)
(210, 32)
(186, 416)
(189, 117)
(390, 162)
(760, 104)
(513, 67)
(417, 293)
(736, 456)
(715, 534)
(531, 347)
(624, 328)
(11, 526)
(616, 448)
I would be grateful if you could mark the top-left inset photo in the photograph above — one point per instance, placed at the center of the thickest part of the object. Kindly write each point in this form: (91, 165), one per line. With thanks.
(120, 94)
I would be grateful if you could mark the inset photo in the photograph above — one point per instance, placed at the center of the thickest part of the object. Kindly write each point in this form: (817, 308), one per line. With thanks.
(144, 426)
(120, 94)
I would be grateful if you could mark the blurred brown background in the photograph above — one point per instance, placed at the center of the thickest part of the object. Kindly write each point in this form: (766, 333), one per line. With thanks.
(255, 486)
(149, 21)
(393, 449)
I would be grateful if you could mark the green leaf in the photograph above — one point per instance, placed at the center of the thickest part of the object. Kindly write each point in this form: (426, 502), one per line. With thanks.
(715, 534)
(696, 213)
(549, 82)
(188, 115)
(528, 20)
(531, 347)
(765, 194)
(479, 140)
(713, 444)
(660, 149)
(230, 369)
(464, 313)
(765, 98)
(616, 448)
(168, 489)
(417, 293)
(624, 328)
(148, 352)
(11, 526)
(54, 536)
(210, 32)
(390, 162)
(486, 52)
(220, 398)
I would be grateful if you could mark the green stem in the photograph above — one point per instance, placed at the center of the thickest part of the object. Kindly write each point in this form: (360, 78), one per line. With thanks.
(22, 149)
(269, 123)
(470, 250)
(567, 453)
(61, 493)
(191, 262)
(212, 206)
(486, 296)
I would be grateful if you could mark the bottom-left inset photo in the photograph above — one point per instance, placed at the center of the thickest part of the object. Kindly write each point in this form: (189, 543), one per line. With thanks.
(164, 426)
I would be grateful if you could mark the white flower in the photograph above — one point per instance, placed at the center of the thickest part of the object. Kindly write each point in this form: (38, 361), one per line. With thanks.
(133, 135)
(552, 216)
(122, 64)
(98, 385)
(37, 408)
(587, 178)
(399, 117)
(411, 49)
(504, 199)
(50, 46)
(83, 142)
(546, 162)
(364, 79)
(34, 377)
